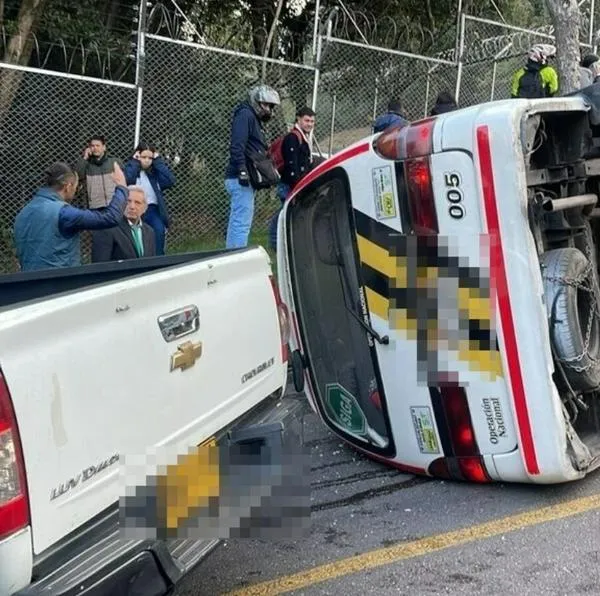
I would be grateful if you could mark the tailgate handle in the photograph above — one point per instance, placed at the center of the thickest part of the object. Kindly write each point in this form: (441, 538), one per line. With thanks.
(180, 322)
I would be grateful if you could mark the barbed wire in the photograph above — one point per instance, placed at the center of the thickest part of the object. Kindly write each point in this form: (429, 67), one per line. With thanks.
(505, 45)
(102, 60)
(122, 17)
(116, 60)
(403, 33)
(166, 21)
(394, 33)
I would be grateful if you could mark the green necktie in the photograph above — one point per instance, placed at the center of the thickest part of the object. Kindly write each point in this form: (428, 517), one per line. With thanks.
(137, 240)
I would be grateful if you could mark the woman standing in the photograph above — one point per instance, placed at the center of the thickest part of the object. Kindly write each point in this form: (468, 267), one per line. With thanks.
(147, 169)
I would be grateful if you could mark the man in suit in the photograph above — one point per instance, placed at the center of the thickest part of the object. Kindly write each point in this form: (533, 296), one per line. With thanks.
(132, 238)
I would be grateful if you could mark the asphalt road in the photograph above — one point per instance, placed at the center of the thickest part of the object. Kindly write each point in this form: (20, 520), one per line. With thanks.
(416, 536)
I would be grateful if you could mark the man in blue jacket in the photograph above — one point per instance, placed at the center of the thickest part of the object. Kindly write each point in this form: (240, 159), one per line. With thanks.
(392, 117)
(47, 229)
(247, 137)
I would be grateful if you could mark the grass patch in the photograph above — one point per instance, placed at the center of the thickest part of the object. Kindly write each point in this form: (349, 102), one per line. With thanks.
(199, 245)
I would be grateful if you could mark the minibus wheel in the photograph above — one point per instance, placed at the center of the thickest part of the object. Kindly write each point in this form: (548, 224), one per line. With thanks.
(572, 302)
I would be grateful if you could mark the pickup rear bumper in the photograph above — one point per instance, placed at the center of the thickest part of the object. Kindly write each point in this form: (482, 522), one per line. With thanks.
(138, 570)
(103, 563)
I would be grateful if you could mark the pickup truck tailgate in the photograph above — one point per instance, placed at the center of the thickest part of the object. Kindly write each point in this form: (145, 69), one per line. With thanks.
(101, 373)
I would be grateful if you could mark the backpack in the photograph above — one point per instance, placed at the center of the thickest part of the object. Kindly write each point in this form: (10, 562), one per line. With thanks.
(531, 84)
(275, 151)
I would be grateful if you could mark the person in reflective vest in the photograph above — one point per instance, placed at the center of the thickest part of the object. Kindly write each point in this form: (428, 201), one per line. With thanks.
(537, 78)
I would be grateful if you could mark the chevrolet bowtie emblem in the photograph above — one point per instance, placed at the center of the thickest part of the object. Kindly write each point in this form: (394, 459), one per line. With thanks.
(186, 355)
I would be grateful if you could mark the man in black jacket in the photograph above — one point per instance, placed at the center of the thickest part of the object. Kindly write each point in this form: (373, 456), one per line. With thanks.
(132, 238)
(297, 162)
(247, 138)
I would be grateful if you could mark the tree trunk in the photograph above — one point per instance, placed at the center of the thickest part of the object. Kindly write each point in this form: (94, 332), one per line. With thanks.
(566, 19)
(261, 17)
(18, 51)
(269, 41)
(112, 9)
(430, 18)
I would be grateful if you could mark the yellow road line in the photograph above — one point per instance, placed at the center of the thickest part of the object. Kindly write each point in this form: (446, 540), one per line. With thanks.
(424, 546)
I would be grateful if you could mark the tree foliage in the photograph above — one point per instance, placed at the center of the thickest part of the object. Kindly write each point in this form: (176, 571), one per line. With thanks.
(59, 32)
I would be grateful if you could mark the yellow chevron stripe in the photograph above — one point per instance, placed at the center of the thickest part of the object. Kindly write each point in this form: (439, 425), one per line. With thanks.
(376, 257)
(377, 304)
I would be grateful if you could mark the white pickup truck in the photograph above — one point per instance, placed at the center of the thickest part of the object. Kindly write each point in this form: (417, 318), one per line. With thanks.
(442, 280)
(117, 359)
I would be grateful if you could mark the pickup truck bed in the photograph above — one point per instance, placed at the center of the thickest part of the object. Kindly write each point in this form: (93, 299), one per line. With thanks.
(125, 359)
(40, 285)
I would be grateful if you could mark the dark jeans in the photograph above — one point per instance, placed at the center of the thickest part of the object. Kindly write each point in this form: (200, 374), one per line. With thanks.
(152, 218)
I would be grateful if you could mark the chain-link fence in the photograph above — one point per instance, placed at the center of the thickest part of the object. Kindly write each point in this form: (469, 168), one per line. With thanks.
(189, 94)
(188, 91)
(356, 82)
(46, 118)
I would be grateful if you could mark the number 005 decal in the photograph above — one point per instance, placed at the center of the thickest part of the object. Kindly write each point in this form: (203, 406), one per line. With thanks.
(454, 195)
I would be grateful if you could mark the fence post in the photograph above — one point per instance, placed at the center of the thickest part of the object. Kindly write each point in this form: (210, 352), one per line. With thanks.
(139, 68)
(494, 70)
(317, 65)
(461, 49)
(592, 39)
(427, 93)
(428, 88)
(332, 129)
(375, 98)
(497, 57)
(459, 15)
(316, 30)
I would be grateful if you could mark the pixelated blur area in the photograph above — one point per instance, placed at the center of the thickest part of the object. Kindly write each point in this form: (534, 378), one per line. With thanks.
(447, 304)
(244, 487)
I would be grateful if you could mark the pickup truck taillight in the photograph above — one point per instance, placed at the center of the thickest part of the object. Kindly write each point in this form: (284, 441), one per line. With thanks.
(284, 320)
(413, 144)
(14, 506)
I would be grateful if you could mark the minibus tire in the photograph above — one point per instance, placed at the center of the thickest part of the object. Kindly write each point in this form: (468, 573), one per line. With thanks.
(569, 307)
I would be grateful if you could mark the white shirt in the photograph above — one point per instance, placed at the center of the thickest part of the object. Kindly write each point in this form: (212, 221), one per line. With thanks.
(144, 182)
